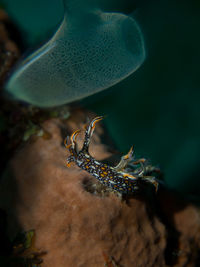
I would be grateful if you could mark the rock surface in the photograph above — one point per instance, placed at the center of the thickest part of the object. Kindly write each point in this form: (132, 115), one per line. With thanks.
(9, 51)
(78, 227)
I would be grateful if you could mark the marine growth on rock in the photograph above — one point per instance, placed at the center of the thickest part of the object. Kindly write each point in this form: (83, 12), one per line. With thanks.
(90, 51)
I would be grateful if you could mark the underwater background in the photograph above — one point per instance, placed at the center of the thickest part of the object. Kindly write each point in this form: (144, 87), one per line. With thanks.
(157, 107)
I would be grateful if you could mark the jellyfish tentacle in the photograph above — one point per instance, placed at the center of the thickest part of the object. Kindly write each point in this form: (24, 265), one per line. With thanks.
(89, 132)
(73, 139)
(152, 180)
(115, 178)
(124, 160)
(72, 147)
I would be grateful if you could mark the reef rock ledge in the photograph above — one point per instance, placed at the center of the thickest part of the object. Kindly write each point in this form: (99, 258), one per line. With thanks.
(78, 227)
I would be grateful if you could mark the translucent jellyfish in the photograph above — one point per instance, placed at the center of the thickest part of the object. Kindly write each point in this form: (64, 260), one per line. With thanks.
(91, 51)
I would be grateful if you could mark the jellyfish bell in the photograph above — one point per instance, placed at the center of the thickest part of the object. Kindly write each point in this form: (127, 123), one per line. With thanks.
(87, 54)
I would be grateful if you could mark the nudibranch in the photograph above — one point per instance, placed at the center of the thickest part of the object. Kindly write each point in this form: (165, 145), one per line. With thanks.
(117, 178)
(90, 51)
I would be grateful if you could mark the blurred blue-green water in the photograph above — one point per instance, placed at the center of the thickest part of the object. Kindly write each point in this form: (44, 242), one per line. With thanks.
(156, 108)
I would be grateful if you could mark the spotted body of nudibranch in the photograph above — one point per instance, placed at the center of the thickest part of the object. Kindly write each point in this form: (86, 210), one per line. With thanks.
(114, 177)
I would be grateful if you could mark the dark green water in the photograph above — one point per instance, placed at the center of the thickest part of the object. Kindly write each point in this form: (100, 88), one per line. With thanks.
(156, 108)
